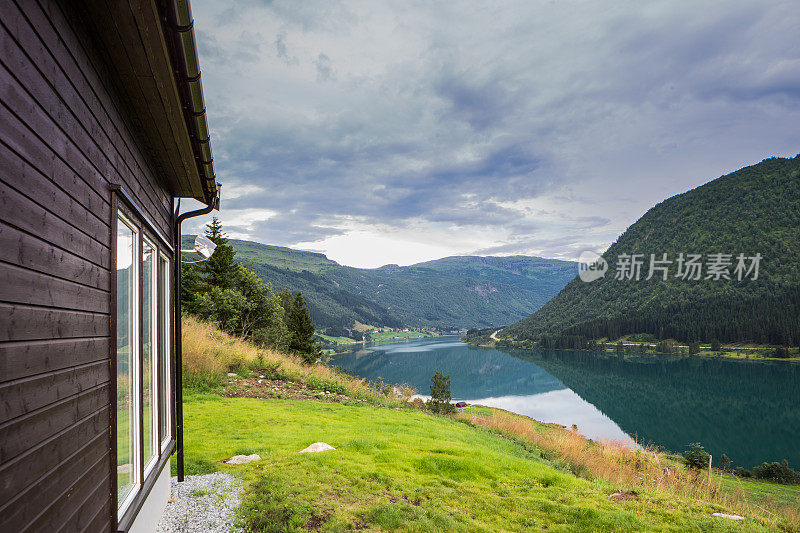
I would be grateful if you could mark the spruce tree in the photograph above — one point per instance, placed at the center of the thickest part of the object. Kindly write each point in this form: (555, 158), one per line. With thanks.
(218, 270)
(299, 322)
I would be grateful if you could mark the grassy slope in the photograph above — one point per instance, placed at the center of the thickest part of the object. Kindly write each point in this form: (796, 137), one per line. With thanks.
(407, 470)
(398, 468)
(759, 492)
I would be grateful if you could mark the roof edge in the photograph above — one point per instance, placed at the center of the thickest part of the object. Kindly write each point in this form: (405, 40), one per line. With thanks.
(180, 37)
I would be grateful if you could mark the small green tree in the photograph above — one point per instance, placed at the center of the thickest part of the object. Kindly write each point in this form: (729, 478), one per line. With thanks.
(666, 346)
(440, 394)
(218, 270)
(725, 463)
(715, 345)
(301, 327)
(695, 456)
(694, 348)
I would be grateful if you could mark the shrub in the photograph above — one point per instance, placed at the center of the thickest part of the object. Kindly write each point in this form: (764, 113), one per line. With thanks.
(417, 403)
(780, 352)
(695, 456)
(780, 472)
(666, 346)
(315, 383)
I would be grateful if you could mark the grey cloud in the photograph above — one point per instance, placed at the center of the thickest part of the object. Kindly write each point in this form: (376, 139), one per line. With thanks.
(324, 68)
(291, 228)
(622, 106)
(566, 247)
(280, 47)
(591, 222)
(482, 104)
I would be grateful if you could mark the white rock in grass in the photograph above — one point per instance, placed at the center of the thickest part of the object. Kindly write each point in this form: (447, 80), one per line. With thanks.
(318, 447)
(242, 459)
(731, 516)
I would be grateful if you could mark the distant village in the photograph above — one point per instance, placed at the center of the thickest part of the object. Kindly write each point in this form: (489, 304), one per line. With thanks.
(338, 340)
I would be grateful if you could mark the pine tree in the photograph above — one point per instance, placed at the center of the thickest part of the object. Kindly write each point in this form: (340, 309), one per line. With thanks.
(299, 322)
(219, 269)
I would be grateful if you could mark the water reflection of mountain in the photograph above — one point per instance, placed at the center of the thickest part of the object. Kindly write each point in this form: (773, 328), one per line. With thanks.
(747, 410)
(474, 372)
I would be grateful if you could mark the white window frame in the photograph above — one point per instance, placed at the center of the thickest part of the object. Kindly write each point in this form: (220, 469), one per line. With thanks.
(154, 312)
(134, 300)
(167, 350)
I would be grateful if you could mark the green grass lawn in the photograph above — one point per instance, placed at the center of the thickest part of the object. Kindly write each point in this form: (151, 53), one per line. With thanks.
(403, 469)
(399, 335)
(338, 340)
(760, 492)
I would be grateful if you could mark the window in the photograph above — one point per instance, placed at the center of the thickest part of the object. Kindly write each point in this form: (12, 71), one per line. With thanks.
(143, 408)
(164, 392)
(149, 379)
(127, 367)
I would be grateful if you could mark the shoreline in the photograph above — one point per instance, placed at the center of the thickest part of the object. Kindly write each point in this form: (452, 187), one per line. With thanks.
(716, 355)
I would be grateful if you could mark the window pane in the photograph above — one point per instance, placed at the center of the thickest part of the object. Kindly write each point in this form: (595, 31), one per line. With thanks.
(163, 352)
(126, 297)
(148, 348)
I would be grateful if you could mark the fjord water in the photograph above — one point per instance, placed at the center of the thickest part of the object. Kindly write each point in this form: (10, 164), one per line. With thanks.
(749, 410)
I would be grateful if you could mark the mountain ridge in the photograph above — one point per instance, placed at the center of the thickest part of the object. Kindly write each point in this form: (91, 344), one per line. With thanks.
(447, 293)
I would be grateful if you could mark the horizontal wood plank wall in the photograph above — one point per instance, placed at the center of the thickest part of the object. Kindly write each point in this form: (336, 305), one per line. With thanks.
(63, 140)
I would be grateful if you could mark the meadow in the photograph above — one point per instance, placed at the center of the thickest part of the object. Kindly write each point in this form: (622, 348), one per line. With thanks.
(399, 467)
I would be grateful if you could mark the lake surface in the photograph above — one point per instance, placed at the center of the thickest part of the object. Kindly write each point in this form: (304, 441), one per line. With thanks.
(748, 410)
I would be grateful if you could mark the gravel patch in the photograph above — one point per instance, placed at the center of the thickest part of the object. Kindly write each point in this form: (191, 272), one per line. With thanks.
(202, 504)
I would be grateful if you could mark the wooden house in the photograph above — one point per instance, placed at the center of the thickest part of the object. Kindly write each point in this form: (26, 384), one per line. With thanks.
(102, 130)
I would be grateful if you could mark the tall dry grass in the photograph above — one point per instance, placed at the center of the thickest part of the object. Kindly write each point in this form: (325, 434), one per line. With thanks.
(209, 355)
(630, 468)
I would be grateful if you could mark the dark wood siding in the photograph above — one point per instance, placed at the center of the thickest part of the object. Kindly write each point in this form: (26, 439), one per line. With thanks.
(63, 141)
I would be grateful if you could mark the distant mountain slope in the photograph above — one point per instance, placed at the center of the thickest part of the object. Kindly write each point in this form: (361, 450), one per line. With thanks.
(468, 291)
(454, 292)
(753, 210)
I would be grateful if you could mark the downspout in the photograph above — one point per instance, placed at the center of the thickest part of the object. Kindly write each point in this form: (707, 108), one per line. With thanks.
(178, 329)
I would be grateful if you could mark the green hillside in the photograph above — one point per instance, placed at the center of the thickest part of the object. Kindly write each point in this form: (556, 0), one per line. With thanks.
(454, 292)
(753, 210)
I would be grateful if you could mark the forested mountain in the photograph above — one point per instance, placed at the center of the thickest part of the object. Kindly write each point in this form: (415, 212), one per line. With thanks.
(755, 210)
(453, 292)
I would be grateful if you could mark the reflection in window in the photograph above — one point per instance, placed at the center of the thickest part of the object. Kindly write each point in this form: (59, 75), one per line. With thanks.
(164, 394)
(126, 362)
(149, 428)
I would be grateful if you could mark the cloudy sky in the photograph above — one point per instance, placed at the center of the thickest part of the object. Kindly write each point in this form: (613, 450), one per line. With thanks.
(398, 132)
